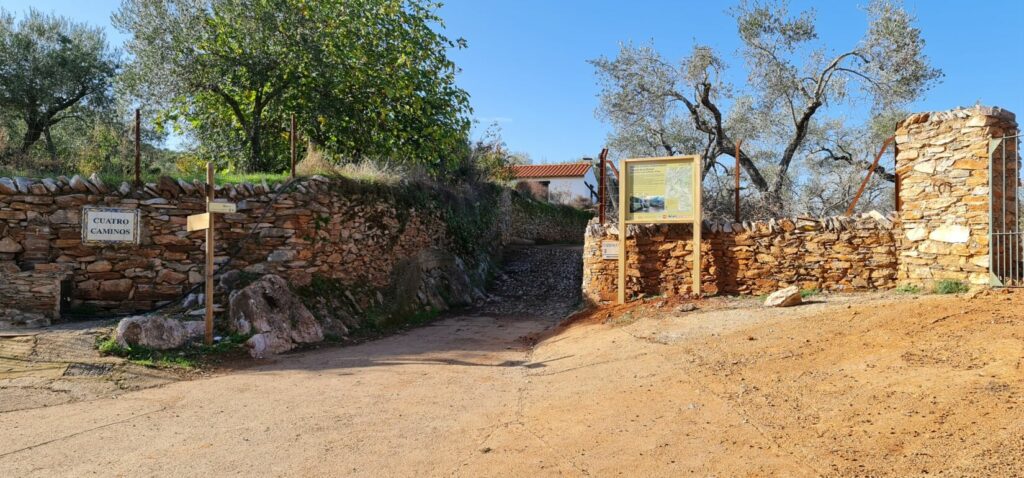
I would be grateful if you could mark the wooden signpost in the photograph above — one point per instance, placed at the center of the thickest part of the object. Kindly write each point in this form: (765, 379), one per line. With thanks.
(204, 221)
(662, 190)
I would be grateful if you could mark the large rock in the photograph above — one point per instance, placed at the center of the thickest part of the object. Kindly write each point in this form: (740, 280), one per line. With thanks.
(157, 332)
(784, 297)
(278, 320)
(433, 278)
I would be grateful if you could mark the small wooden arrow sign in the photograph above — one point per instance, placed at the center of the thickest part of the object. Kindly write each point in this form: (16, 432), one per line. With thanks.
(221, 207)
(198, 222)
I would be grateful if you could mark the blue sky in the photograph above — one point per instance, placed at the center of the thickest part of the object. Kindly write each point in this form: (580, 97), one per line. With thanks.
(526, 66)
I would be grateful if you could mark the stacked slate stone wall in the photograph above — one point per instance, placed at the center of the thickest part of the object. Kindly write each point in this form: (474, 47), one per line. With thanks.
(29, 298)
(943, 161)
(349, 232)
(834, 254)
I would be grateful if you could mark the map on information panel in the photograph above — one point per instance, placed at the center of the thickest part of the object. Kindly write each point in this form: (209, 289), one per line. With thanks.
(660, 190)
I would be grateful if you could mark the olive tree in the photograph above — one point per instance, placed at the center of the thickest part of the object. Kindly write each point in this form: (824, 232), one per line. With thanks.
(50, 70)
(793, 78)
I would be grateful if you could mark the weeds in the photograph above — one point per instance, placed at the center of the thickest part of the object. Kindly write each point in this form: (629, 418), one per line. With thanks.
(950, 286)
(908, 289)
(807, 293)
(188, 357)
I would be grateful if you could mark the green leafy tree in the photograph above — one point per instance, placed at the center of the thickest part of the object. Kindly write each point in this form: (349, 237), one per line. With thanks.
(366, 78)
(51, 70)
(793, 79)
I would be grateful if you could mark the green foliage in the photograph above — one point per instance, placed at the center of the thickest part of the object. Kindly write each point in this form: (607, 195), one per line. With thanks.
(808, 293)
(470, 218)
(488, 159)
(908, 289)
(950, 286)
(365, 78)
(54, 71)
(189, 357)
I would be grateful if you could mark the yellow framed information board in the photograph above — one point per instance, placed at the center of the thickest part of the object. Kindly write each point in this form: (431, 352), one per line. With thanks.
(663, 190)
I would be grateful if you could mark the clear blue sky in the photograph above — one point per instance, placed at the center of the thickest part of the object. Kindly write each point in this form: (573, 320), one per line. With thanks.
(526, 65)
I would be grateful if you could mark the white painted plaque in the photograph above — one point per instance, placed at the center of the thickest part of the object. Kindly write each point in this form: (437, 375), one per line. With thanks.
(609, 250)
(102, 225)
(221, 207)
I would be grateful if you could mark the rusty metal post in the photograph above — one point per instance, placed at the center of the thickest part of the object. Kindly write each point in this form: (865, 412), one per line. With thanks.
(602, 186)
(138, 148)
(292, 139)
(871, 170)
(737, 171)
(896, 174)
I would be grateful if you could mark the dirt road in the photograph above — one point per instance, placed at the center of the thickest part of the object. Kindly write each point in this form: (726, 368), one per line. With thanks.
(849, 386)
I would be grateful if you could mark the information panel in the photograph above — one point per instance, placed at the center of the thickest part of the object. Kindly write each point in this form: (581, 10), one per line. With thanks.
(660, 190)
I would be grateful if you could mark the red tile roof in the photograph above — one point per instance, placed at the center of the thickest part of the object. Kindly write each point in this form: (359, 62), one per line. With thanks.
(565, 170)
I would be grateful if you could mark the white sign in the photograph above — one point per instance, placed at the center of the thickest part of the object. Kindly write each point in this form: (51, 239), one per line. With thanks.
(609, 250)
(221, 207)
(110, 226)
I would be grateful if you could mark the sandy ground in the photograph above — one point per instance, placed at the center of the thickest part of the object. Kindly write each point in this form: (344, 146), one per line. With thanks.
(849, 386)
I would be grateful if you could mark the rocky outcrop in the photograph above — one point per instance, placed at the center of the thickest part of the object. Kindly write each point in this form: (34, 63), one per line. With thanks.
(276, 318)
(433, 279)
(157, 332)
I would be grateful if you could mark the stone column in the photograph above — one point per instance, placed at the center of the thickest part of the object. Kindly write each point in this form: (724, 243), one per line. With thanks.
(943, 163)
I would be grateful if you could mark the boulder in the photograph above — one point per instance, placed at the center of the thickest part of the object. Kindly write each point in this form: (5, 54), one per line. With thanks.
(157, 332)
(278, 320)
(784, 297)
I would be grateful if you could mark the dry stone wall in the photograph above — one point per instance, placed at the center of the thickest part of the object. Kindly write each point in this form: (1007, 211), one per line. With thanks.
(943, 164)
(349, 232)
(835, 254)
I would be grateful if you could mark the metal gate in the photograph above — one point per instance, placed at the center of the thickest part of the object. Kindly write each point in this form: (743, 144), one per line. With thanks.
(1006, 258)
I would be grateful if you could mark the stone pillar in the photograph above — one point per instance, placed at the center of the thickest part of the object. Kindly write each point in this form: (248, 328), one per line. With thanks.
(943, 163)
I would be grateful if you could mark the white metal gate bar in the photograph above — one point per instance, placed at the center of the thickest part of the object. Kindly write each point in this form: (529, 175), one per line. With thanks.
(1005, 231)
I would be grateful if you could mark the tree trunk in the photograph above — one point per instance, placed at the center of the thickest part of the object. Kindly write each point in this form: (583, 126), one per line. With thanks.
(49, 145)
(33, 131)
(255, 150)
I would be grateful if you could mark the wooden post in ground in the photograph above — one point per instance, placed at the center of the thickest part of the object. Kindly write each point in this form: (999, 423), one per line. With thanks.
(292, 138)
(622, 238)
(698, 222)
(210, 190)
(138, 148)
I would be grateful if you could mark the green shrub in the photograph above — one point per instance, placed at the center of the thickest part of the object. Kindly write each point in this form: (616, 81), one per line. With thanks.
(950, 286)
(109, 346)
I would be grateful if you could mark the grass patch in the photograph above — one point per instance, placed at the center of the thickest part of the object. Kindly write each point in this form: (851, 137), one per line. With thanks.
(807, 293)
(189, 357)
(950, 286)
(908, 289)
